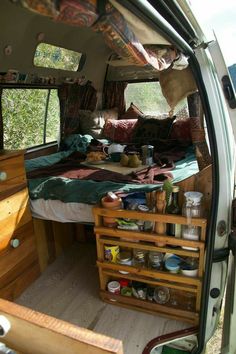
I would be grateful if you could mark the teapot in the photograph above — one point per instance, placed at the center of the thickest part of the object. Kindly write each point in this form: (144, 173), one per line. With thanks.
(116, 148)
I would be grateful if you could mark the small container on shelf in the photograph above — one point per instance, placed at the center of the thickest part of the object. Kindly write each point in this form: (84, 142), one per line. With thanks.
(155, 260)
(139, 290)
(140, 257)
(124, 258)
(125, 289)
(113, 202)
(161, 295)
(111, 252)
(192, 208)
(145, 225)
(172, 264)
(113, 287)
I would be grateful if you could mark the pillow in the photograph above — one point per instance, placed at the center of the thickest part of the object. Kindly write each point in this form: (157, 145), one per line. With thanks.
(149, 129)
(181, 130)
(93, 123)
(119, 131)
(133, 112)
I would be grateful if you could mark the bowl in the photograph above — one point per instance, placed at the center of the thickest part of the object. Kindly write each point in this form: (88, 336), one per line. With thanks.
(189, 272)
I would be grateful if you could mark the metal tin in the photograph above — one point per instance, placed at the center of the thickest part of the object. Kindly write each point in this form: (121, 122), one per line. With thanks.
(147, 154)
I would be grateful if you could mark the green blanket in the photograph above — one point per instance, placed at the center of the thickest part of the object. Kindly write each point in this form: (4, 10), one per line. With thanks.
(90, 192)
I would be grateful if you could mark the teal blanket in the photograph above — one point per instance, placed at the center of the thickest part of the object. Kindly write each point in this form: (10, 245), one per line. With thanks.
(90, 192)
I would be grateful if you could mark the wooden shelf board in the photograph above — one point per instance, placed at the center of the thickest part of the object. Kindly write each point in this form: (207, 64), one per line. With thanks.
(172, 285)
(147, 237)
(146, 246)
(177, 278)
(133, 214)
(150, 307)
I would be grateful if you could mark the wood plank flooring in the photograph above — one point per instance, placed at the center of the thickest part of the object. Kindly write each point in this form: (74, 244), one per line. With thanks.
(68, 290)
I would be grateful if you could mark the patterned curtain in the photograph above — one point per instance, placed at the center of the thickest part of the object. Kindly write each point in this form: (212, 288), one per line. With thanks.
(114, 96)
(72, 99)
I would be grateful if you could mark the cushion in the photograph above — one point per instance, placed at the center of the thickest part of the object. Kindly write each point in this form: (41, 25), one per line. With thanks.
(133, 112)
(94, 122)
(119, 131)
(149, 129)
(181, 130)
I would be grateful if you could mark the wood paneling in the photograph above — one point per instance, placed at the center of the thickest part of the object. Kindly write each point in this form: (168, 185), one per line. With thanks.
(34, 332)
(18, 266)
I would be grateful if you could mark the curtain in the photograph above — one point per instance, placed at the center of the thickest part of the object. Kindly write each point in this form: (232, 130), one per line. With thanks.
(73, 98)
(114, 96)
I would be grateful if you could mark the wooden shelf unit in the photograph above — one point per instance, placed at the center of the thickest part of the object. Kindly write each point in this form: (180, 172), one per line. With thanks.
(128, 239)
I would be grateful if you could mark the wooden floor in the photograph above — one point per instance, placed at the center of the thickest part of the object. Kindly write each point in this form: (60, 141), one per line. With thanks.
(68, 290)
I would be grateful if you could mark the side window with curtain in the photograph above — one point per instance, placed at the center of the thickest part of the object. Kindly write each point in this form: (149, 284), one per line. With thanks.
(31, 117)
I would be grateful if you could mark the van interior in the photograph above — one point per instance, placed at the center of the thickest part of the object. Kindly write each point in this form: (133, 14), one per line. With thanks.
(81, 82)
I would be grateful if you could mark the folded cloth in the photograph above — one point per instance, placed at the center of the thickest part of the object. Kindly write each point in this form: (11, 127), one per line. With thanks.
(74, 170)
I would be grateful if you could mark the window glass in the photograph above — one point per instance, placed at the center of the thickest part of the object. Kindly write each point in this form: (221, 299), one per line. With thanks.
(148, 97)
(25, 120)
(50, 56)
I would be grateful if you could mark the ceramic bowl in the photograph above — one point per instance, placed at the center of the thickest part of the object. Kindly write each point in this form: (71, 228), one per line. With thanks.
(189, 272)
(115, 156)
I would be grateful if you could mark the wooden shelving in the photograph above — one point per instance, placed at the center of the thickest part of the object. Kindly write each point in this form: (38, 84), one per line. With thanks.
(180, 284)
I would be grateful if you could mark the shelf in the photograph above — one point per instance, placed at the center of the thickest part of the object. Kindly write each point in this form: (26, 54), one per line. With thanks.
(147, 236)
(114, 274)
(150, 241)
(150, 307)
(154, 274)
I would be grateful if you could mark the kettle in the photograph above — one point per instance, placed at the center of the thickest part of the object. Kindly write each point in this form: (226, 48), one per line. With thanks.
(116, 148)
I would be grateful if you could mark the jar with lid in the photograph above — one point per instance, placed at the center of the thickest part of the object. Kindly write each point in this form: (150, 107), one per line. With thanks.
(155, 260)
(139, 259)
(144, 225)
(192, 208)
(124, 258)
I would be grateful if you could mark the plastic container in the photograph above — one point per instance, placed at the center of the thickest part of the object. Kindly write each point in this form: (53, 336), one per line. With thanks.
(192, 208)
(113, 287)
(172, 264)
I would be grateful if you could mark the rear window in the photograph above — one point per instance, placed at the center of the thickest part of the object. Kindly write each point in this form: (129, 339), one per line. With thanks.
(50, 56)
(148, 97)
(30, 117)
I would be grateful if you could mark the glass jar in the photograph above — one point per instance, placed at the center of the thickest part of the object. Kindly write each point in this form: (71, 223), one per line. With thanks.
(139, 259)
(155, 260)
(124, 258)
(192, 208)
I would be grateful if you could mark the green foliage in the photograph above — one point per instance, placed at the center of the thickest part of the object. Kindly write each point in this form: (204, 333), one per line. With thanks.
(50, 56)
(23, 117)
(147, 96)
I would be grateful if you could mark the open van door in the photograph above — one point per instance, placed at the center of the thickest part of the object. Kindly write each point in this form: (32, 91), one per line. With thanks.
(229, 326)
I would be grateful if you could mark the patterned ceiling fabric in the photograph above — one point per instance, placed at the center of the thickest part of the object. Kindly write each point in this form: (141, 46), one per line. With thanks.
(122, 40)
(111, 24)
(44, 7)
(78, 13)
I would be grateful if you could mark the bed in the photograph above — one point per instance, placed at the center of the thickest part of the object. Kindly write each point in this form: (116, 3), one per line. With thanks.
(54, 195)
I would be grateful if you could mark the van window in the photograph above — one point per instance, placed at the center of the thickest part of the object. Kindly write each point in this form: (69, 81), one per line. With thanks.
(50, 56)
(30, 117)
(148, 97)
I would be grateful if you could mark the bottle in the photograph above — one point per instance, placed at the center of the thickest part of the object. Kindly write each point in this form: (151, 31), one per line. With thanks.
(174, 208)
